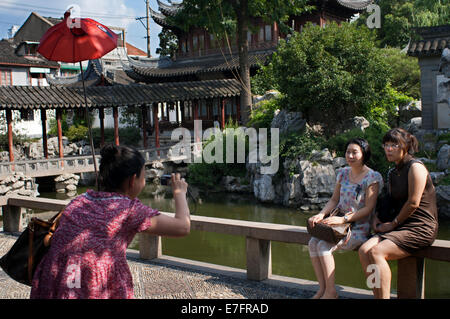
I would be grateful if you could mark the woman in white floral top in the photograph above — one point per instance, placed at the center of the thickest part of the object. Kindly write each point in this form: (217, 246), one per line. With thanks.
(355, 193)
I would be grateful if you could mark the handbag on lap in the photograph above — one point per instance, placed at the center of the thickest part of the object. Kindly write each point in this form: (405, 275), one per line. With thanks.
(331, 233)
(21, 260)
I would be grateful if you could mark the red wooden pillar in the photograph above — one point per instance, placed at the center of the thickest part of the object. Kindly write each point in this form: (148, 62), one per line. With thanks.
(223, 114)
(144, 125)
(276, 33)
(10, 134)
(60, 141)
(44, 132)
(156, 124)
(116, 125)
(101, 115)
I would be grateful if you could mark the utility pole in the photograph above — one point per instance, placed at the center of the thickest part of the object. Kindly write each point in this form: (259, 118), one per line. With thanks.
(146, 26)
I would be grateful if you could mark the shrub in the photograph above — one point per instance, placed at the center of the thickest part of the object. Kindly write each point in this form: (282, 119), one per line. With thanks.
(262, 116)
(336, 70)
(374, 135)
(127, 135)
(77, 133)
(209, 175)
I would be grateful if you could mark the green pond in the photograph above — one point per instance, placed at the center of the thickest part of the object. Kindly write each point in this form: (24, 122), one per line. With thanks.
(290, 260)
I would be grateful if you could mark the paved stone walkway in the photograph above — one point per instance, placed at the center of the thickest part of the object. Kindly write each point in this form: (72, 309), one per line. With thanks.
(168, 278)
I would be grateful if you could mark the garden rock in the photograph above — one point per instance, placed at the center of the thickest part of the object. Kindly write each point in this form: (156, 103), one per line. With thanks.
(358, 122)
(443, 201)
(288, 122)
(443, 158)
(263, 188)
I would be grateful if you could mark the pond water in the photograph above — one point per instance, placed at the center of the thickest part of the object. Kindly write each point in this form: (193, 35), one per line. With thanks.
(290, 260)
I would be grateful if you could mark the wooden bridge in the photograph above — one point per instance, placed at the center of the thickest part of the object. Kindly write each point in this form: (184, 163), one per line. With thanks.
(410, 270)
(83, 164)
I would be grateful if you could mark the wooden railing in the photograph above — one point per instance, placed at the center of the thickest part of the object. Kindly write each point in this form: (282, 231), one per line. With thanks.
(410, 271)
(81, 164)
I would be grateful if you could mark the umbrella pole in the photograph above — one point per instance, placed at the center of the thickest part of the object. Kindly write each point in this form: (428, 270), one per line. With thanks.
(88, 121)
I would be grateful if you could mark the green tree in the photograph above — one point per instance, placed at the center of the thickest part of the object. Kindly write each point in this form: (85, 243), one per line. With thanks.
(329, 74)
(400, 17)
(168, 43)
(224, 18)
(404, 72)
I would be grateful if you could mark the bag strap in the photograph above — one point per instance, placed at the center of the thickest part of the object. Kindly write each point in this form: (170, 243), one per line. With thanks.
(30, 251)
(54, 221)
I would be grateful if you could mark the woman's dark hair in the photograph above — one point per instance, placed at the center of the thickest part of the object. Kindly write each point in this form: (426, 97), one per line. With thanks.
(117, 164)
(364, 145)
(406, 140)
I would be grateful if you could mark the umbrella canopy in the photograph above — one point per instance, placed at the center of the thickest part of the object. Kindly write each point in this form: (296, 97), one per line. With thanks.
(77, 40)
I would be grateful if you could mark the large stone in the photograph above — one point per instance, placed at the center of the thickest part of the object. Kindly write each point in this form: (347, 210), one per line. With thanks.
(288, 122)
(358, 122)
(318, 179)
(443, 201)
(443, 158)
(263, 188)
(293, 191)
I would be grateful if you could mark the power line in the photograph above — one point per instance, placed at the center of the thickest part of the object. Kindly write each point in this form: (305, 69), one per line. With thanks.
(24, 7)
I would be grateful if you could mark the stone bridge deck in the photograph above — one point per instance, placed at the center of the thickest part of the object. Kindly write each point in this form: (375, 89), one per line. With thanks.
(176, 278)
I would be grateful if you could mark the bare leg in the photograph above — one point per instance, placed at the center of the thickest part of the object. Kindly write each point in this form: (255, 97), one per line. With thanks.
(313, 252)
(365, 258)
(320, 277)
(327, 261)
(380, 254)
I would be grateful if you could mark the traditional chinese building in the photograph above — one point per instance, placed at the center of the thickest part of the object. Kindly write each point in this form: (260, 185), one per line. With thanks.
(201, 56)
(428, 50)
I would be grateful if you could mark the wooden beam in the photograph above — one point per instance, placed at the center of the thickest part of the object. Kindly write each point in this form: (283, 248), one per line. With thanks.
(10, 134)
(101, 115)
(44, 132)
(59, 128)
(156, 124)
(411, 278)
(144, 125)
(116, 125)
(223, 114)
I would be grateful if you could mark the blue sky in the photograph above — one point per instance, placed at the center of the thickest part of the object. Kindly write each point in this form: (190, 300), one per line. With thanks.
(119, 13)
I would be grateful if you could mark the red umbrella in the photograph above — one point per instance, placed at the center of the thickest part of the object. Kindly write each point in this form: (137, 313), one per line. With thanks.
(76, 40)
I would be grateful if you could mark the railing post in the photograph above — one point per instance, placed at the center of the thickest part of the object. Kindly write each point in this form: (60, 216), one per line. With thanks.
(411, 278)
(149, 246)
(259, 259)
(12, 219)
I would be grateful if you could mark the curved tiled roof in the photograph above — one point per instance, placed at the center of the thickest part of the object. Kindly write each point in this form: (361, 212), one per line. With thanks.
(169, 9)
(49, 97)
(218, 63)
(435, 40)
(355, 4)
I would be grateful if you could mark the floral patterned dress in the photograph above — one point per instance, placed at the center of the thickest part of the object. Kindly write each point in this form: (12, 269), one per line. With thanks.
(351, 199)
(87, 258)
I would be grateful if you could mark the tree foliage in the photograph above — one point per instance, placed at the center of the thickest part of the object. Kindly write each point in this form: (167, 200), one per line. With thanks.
(329, 74)
(168, 43)
(400, 17)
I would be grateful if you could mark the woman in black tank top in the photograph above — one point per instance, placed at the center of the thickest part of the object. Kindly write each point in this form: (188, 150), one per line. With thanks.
(414, 199)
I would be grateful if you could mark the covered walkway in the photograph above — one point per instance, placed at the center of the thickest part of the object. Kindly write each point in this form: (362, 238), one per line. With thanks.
(207, 100)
